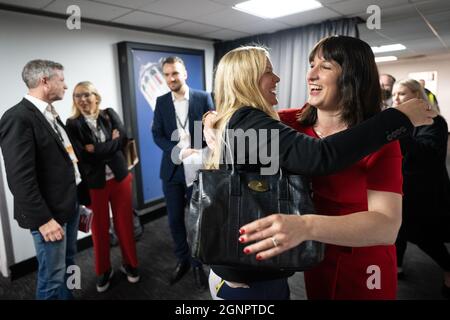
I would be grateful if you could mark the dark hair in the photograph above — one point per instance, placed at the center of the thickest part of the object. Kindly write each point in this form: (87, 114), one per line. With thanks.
(359, 86)
(171, 60)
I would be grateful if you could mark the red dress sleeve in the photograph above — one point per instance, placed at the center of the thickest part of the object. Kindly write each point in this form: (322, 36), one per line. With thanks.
(384, 169)
(289, 117)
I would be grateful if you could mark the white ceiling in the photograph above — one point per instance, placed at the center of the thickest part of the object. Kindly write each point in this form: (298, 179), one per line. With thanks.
(216, 20)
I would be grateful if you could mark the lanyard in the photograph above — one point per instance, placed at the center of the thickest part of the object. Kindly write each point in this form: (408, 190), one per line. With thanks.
(179, 121)
(55, 125)
(54, 116)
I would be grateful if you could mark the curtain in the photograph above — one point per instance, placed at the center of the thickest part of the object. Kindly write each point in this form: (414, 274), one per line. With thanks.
(289, 51)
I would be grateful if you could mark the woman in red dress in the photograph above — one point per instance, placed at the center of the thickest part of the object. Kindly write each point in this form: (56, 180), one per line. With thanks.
(359, 209)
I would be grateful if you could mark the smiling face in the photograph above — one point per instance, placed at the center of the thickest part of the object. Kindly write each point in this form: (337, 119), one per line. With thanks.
(85, 101)
(323, 88)
(268, 84)
(401, 94)
(175, 75)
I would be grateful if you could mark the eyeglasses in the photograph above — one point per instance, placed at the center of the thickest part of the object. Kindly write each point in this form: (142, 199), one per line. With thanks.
(82, 95)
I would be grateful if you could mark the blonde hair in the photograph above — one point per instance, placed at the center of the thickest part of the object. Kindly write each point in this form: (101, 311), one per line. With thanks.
(88, 86)
(416, 88)
(236, 85)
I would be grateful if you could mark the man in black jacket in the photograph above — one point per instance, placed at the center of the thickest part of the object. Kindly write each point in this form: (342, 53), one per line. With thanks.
(43, 175)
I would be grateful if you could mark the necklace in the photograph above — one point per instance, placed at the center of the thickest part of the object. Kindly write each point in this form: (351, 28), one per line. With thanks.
(319, 134)
(322, 135)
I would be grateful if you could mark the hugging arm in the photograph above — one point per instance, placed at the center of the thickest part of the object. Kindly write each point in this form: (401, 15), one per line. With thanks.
(303, 154)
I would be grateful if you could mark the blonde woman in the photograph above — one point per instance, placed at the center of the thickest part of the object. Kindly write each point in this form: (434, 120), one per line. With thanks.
(99, 137)
(426, 187)
(245, 93)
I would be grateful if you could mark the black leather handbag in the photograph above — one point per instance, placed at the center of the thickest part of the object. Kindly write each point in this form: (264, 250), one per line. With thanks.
(224, 200)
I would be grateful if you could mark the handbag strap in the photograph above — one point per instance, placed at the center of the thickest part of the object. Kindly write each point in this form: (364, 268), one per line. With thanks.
(226, 153)
(283, 182)
(283, 194)
(234, 218)
(283, 188)
(235, 187)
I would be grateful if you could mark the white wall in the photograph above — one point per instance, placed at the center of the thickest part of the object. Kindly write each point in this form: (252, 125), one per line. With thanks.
(440, 63)
(87, 54)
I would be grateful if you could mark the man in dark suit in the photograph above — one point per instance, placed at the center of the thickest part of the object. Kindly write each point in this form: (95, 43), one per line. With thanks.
(43, 175)
(177, 110)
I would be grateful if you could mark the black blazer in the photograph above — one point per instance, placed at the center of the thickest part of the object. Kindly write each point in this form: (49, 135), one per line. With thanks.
(105, 153)
(39, 171)
(302, 154)
(164, 123)
(426, 184)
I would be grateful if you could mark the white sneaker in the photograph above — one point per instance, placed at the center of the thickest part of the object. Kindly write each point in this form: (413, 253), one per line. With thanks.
(131, 273)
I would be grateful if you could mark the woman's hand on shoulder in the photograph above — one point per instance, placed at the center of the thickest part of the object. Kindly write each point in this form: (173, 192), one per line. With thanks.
(418, 111)
(208, 130)
(268, 237)
(115, 134)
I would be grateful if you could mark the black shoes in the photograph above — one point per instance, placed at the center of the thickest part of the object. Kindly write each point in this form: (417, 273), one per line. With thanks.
(201, 281)
(200, 278)
(180, 270)
(104, 280)
(131, 273)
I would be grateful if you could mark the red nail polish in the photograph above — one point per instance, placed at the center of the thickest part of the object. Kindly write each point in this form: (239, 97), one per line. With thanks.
(241, 231)
(246, 251)
(241, 240)
(258, 258)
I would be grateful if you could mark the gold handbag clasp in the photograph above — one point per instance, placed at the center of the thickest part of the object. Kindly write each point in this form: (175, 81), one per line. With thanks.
(258, 185)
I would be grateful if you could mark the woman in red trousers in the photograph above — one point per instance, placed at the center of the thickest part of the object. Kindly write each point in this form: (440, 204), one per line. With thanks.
(359, 208)
(99, 136)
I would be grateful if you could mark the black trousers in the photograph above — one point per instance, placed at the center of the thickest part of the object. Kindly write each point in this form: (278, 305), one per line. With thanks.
(434, 248)
(177, 196)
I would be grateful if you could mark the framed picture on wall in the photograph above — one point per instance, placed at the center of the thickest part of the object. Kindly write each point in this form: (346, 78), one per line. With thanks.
(142, 81)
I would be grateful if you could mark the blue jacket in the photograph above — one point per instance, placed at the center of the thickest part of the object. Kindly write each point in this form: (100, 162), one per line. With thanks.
(164, 123)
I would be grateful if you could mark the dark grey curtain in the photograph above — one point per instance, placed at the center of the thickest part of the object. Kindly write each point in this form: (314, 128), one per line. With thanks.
(289, 52)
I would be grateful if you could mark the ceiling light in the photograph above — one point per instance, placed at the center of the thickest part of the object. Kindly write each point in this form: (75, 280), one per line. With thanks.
(388, 48)
(271, 9)
(385, 59)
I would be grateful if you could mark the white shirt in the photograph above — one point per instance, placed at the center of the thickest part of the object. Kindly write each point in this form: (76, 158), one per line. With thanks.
(42, 106)
(194, 162)
(182, 117)
(182, 120)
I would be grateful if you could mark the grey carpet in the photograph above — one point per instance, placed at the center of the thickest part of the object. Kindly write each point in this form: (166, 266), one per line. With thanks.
(423, 276)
